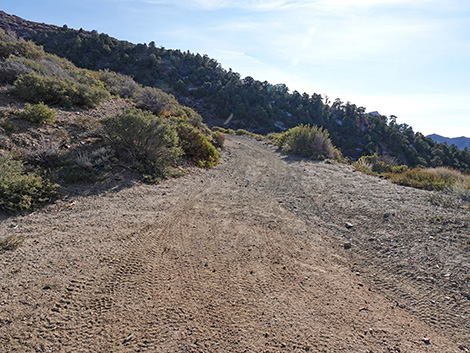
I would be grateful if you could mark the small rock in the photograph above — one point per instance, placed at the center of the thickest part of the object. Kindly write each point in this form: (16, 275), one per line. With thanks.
(128, 338)
(46, 288)
(347, 245)
(349, 225)
(386, 215)
(466, 295)
(426, 340)
(462, 347)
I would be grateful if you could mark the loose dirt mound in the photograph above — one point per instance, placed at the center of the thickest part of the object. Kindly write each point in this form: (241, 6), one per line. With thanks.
(247, 257)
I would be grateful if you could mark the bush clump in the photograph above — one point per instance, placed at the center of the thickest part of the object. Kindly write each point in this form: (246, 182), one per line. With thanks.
(37, 113)
(153, 99)
(437, 179)
(22, 189)
(196, 146)
(248, 133)
(218, 139)
(118, 84)
(19, 47)
(307, 141)
(89, 167)
(150, 141)
(35, 88)
(376, 164)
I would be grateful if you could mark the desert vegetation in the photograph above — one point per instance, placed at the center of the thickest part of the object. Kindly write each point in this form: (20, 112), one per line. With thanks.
(150, 141)
(150, 136)
(10, 242)
(37, 113)
(22, 188)
(245, 103)
(307, 141)
(453, 186)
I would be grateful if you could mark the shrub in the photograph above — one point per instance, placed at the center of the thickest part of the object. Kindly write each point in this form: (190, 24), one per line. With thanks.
(47, 153)
(220, 129)
(118, 84)
(422, 179)
(89, 166)
(20, 47)
(151, 141)
(376, 164)
(21, 189)
(37, 113)
(13, 67)
(10, 242)
(218, 139)
(248, 133)
(399, 169)
(448, 174)
(153, 99)
(35, 88)
(308, 141)
(196, 146)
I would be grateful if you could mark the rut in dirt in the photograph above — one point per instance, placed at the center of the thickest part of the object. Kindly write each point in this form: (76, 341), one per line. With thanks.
(249, 257)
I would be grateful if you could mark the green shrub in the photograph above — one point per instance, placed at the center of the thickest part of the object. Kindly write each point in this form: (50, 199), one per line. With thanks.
(196, 146)
(21, 189)
(220, 129)
(276, 137)
(37, 113)
(248, 133)
(153, 99)
(90, 96)
(35, 88)
(21, 48)
(421, 179)
(399, 169)
(150, 140)
(308, 141)
(118, 84)
(376, 164)
(243, 132)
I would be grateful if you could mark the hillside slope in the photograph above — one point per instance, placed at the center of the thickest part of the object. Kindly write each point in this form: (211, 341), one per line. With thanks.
(222, 97)
(248, 256)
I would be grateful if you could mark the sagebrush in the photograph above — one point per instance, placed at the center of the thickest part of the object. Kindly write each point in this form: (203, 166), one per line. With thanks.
(22, 189)
(37, 113)
(196, 146)
(151, 141)
(307, 141)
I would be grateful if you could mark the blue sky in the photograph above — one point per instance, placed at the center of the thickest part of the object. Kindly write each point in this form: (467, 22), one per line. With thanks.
(409, 58)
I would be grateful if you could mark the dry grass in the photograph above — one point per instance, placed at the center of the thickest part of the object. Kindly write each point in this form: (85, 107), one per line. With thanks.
(10, 242)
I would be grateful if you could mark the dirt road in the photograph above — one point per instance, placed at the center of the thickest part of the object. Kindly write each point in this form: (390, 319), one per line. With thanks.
(247, 257)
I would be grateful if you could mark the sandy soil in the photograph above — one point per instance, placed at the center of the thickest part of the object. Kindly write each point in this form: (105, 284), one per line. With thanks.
(261, 254)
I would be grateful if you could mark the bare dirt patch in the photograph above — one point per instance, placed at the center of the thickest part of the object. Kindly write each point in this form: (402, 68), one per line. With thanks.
(252, 256)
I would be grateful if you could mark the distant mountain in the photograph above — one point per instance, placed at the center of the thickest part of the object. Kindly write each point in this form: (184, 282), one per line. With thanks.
(460, 142)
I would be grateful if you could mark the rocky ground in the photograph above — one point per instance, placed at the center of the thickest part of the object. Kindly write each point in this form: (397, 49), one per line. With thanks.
(263, 253)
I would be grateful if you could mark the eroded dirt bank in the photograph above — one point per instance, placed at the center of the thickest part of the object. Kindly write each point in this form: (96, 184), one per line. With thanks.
(246, 257)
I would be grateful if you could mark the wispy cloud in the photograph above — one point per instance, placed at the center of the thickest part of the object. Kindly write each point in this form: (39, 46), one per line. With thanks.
(270, 5)
(225, 4)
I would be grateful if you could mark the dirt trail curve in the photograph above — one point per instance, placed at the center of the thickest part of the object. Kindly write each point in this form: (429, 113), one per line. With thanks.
(246, 257)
